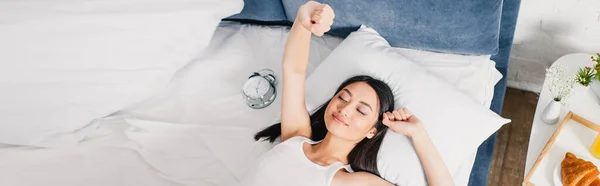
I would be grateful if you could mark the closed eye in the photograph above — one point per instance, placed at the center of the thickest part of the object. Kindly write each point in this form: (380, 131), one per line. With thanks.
(342, 99)
(361, 112)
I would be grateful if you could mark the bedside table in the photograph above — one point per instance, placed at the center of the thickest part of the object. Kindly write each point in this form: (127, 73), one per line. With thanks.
(540, 131)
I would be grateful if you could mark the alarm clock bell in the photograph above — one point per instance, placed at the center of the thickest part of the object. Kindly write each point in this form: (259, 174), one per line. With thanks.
(259, 90)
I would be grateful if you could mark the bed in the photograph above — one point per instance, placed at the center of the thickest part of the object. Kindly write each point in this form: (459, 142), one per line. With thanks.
(194, 128)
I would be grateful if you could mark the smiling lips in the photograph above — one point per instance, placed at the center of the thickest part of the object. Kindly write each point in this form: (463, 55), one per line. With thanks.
(338, 119)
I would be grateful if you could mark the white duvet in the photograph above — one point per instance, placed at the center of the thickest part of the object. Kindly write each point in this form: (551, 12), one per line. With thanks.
(196, 131)
(64, 63)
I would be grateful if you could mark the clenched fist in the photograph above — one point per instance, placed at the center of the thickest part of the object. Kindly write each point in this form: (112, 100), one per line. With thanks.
(402, 121)
(315, 17)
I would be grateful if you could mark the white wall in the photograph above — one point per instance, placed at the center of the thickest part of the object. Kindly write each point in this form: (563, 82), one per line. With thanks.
(547, 30)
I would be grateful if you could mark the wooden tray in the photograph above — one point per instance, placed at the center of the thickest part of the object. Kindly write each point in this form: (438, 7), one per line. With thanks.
(586, 143)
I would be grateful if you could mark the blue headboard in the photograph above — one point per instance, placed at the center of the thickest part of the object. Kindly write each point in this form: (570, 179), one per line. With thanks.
(471, 27)
(508, 22)
(456, 26)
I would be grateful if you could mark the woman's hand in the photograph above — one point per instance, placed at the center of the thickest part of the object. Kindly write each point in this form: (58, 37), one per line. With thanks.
(403, 122)
(315, 17)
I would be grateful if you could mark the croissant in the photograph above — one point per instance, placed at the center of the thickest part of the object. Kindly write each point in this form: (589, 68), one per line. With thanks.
(578, 172)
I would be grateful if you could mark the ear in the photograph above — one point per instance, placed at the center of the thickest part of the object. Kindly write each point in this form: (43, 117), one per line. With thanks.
(372, 133)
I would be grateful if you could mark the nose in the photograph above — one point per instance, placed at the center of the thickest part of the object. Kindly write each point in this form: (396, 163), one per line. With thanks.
(342, 109)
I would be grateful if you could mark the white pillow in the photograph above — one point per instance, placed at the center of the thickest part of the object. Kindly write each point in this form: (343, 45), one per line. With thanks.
(66, 63)
(456, 123)
(475, 76)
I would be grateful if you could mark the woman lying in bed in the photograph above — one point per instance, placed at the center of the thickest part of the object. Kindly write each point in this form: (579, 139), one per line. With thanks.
(338, 144)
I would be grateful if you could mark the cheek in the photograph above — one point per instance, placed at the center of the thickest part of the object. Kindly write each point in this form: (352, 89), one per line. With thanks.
(362, 126)
(330, 106)
(333, 103)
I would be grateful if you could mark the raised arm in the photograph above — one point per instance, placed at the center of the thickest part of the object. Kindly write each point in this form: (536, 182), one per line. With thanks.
(401, 121)
(312, 17)
(435, 168)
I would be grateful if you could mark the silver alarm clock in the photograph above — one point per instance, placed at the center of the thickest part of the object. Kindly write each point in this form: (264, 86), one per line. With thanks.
(259, 90)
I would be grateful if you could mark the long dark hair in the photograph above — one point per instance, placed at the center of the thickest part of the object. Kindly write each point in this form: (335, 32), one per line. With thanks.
(363, 156)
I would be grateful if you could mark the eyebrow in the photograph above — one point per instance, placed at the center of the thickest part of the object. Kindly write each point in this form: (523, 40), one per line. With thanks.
(362, 102)
(366, 104)
(348, 92)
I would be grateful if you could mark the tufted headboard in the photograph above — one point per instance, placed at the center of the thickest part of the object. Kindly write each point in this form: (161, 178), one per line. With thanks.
(470, 27)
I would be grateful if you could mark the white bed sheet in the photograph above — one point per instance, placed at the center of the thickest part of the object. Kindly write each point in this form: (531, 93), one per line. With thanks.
(197, 131)
(65, 63)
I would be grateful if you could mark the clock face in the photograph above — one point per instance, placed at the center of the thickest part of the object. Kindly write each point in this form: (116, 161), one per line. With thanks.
(256, 87)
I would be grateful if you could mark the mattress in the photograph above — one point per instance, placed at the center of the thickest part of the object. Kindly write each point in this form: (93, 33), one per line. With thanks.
(197, 131)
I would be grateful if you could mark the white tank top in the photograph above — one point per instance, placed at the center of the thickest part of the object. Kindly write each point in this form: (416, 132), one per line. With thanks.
(286, 164)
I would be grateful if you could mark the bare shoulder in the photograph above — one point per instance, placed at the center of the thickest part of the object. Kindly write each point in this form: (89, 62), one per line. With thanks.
(343, 178)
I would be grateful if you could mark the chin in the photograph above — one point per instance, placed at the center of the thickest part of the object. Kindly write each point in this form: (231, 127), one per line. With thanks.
(330, 124)
(335, 128)
(328, 121)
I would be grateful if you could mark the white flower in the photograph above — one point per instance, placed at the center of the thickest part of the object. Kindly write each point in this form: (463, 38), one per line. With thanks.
(559, 82)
